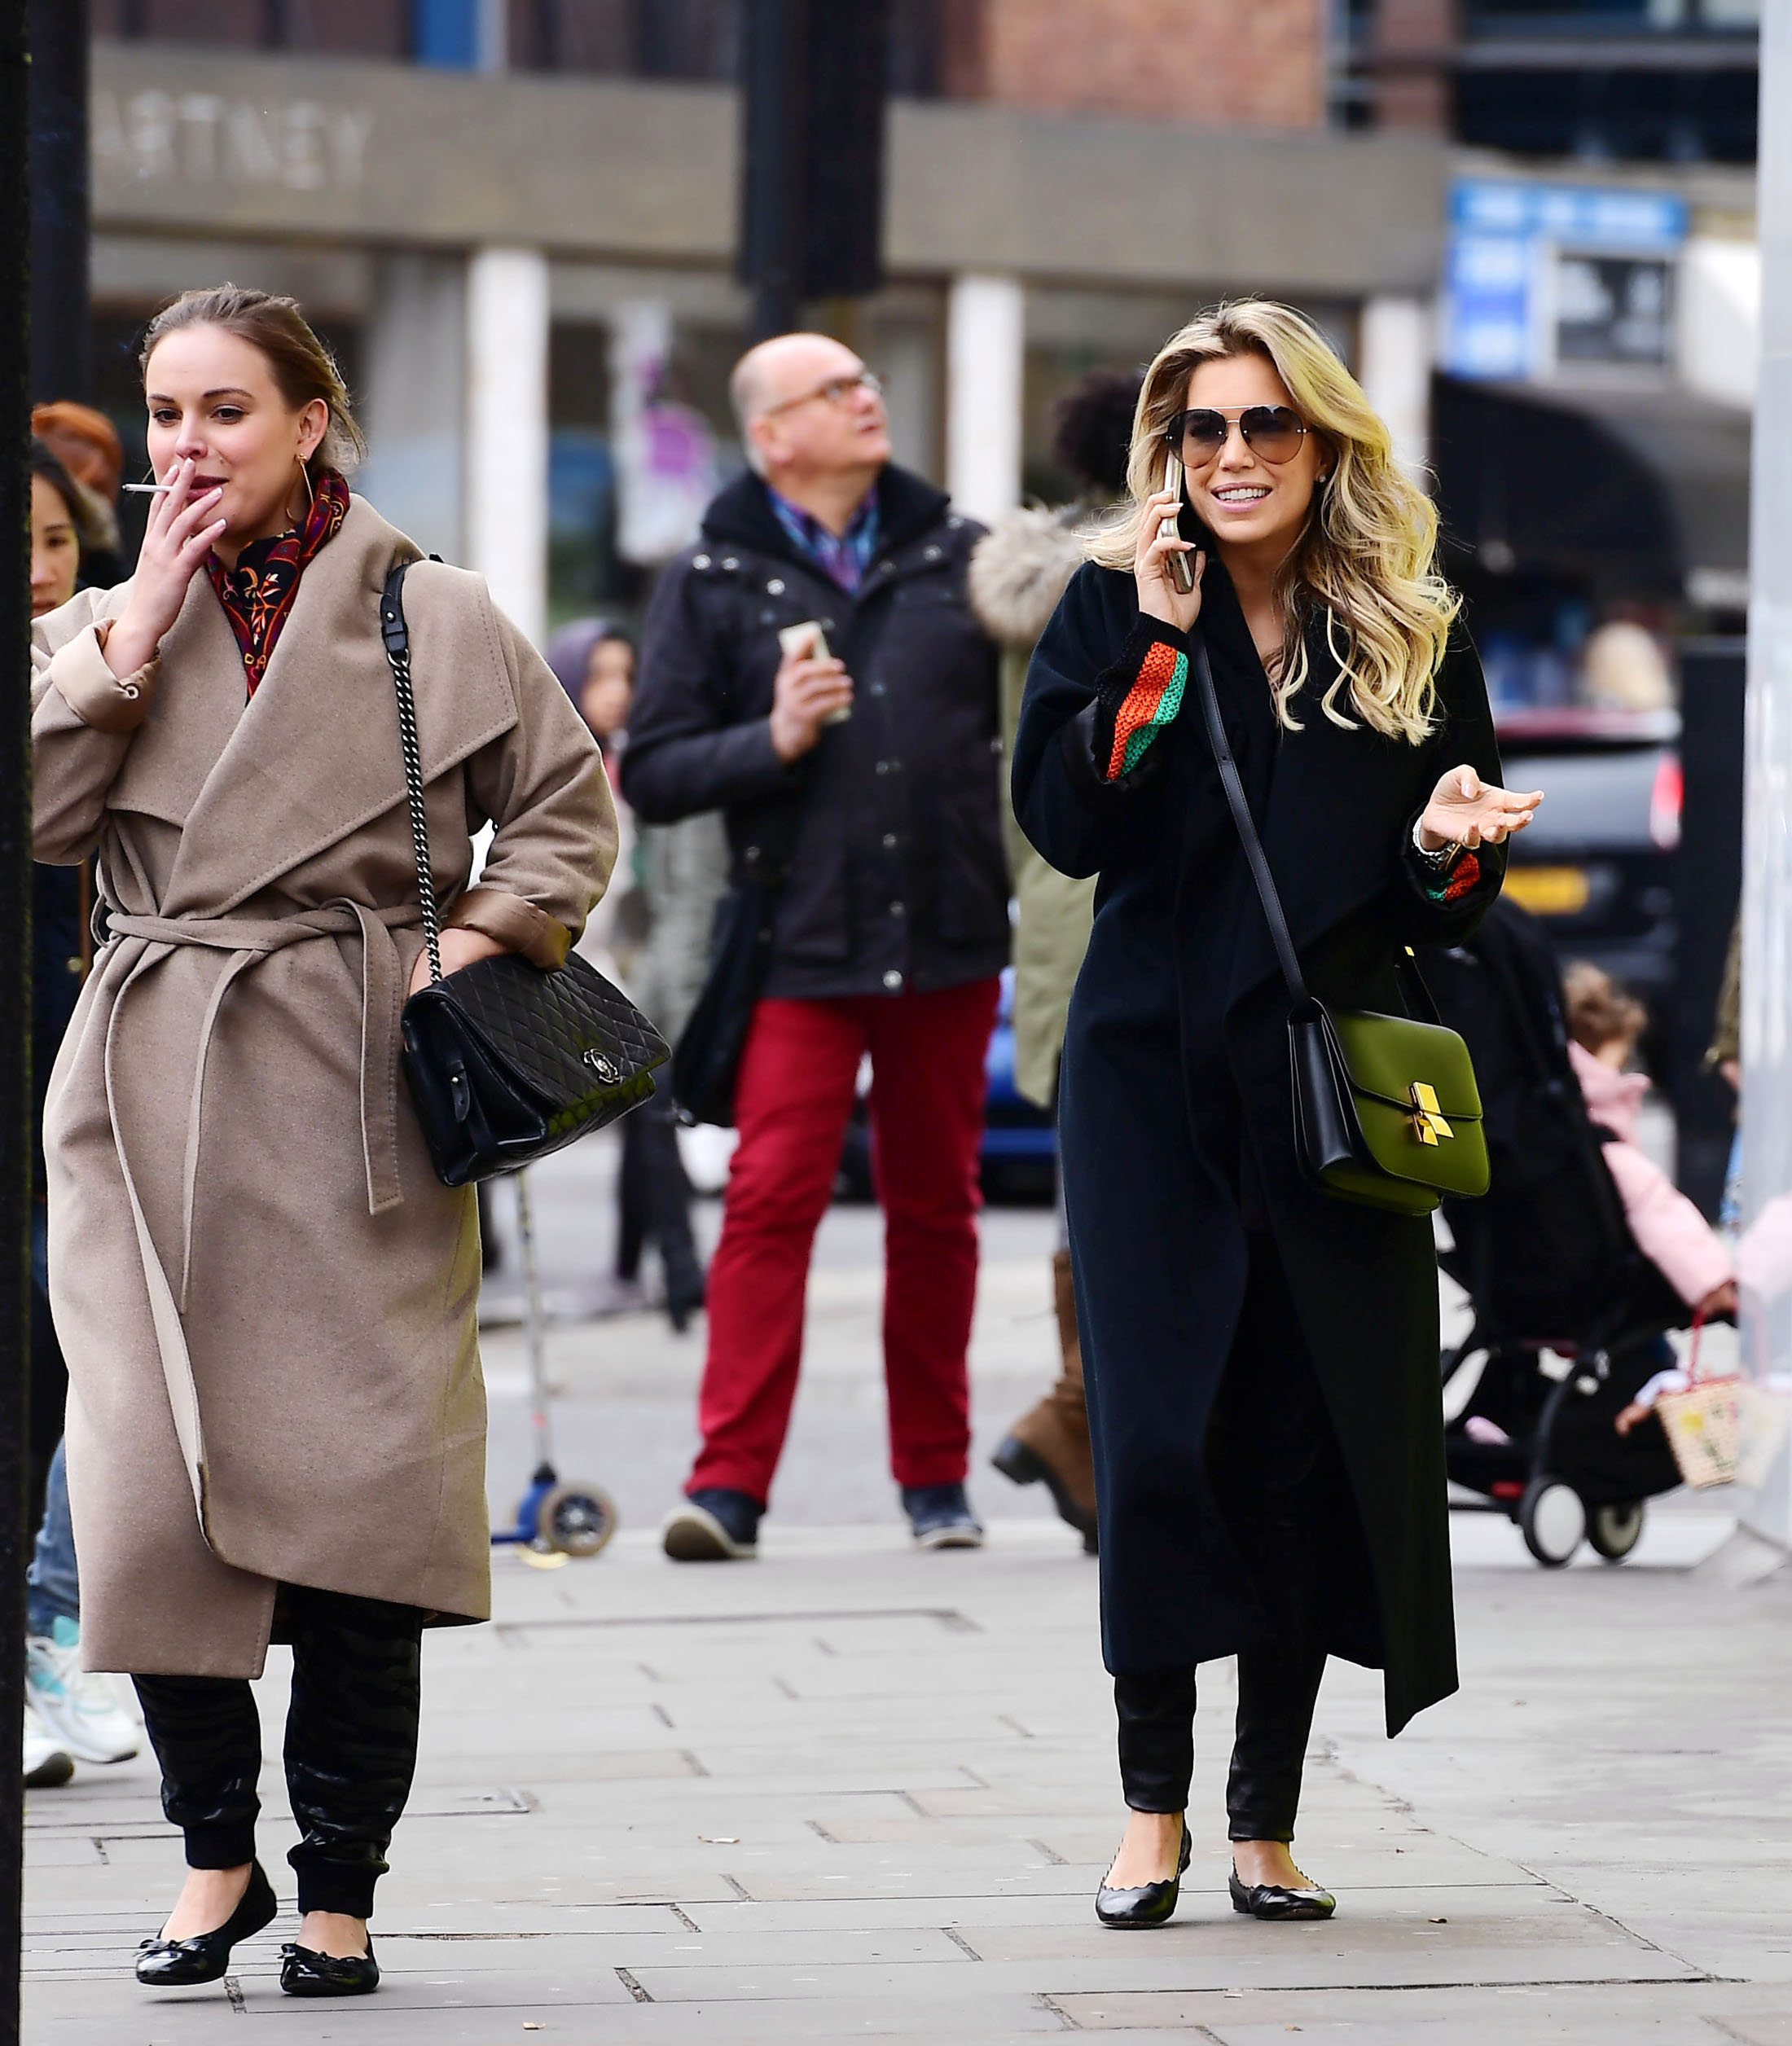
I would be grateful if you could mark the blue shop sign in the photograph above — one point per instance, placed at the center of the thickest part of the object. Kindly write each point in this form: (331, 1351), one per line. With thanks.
(1535, 274)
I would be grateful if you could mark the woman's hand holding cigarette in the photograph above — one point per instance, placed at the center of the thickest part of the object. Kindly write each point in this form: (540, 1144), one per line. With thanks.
(180, 534)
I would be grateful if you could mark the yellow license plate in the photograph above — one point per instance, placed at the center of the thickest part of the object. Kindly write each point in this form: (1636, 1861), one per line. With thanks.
(1547, 891)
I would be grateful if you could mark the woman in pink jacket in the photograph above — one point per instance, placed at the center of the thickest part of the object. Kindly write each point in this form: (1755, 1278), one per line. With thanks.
(1603, 1023)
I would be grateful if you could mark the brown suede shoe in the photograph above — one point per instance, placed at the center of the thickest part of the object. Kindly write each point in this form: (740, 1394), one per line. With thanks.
(1051, 1443)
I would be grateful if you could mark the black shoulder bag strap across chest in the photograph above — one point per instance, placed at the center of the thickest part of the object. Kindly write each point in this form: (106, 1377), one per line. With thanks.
(1386, 1112)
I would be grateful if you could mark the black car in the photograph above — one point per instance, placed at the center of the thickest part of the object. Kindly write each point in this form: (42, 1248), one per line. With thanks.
(1597, 862)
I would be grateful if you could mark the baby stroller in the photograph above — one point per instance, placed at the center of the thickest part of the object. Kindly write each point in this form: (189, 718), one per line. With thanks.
(1550, 1264)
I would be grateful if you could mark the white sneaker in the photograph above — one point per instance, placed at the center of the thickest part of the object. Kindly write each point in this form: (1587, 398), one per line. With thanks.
(80, 1709)
(47, 1765)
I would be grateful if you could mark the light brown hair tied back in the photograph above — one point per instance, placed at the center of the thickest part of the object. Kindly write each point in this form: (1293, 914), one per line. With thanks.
(303, 367)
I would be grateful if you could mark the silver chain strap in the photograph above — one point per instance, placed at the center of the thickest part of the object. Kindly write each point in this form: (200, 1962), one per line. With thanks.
(398, 646)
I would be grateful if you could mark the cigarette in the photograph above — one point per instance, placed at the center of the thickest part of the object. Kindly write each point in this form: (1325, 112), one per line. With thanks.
(149, 490)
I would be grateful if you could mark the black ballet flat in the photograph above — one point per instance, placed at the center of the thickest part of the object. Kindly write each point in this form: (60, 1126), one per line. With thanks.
(1150, 1904)
(177, 1964)
(1271, 1900)
(305, 1973)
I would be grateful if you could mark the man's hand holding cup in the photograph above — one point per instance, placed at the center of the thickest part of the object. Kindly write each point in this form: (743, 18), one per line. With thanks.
(810, 691)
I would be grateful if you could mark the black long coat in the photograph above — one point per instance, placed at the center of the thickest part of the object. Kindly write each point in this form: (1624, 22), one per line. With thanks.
(1176, 1120)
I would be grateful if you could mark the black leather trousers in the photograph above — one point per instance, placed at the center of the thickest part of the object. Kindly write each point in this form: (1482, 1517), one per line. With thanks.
(351, 1747)
(1277, 1689)
(1280, 1487)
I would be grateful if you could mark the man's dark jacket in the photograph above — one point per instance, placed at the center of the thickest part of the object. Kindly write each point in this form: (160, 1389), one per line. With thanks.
(896, 878)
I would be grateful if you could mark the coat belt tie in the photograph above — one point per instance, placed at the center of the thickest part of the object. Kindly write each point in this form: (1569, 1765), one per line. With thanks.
(249, 941)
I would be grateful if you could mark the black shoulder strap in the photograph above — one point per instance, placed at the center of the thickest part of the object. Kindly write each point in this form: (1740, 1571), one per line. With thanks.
(1241, 817)
(395, 634)
(1413, 991)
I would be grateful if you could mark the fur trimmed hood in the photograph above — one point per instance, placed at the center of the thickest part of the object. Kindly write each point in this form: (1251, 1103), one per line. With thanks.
(1020, 568)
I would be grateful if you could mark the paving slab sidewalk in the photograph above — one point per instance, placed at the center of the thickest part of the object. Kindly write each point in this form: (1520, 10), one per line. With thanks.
(849, 1791)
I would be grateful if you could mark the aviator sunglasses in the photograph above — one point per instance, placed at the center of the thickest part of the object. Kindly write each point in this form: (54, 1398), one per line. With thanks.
(1275, 432)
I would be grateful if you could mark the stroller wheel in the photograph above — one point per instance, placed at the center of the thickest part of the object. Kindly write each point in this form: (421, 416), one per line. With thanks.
(1552, 1520)
(1615, 1530)
(575, 1518)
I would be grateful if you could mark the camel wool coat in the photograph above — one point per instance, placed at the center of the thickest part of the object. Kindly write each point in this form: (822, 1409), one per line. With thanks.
(265, 1296)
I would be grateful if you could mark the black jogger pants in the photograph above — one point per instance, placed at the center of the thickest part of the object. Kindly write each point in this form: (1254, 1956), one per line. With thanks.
(1280, 1482)
(351, 1747)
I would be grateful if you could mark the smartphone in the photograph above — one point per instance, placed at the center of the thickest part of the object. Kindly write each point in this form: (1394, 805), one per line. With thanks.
(1182, 573)
(807, 640)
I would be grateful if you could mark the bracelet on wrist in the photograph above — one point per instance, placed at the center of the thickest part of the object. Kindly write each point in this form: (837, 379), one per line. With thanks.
(1443, 856)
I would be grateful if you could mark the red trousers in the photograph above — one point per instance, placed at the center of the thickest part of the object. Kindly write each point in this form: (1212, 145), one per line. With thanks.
(792, 1103)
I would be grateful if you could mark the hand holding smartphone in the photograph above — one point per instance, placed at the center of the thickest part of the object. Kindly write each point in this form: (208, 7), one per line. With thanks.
(1182, 573)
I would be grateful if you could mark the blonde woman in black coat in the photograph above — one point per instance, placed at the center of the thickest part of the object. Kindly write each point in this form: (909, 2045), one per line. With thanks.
(1261, 1356)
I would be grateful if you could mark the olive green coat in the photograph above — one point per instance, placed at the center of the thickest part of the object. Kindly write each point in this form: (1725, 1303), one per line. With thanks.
(1018, 573)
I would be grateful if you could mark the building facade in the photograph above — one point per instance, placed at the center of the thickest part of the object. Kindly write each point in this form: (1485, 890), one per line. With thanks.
(517, 224)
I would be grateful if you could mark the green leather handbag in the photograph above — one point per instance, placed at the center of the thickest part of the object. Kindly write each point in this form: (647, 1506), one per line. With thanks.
(1387, 1111)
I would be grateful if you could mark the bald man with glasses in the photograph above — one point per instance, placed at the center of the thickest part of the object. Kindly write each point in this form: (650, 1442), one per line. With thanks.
(860, 778)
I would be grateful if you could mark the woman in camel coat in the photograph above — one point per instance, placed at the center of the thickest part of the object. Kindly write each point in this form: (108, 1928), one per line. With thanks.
(276, 1423)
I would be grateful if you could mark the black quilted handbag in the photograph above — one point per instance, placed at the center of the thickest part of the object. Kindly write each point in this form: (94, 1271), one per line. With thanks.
(506, 1062)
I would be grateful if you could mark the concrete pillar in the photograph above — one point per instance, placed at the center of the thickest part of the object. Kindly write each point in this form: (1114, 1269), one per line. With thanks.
(415, 407)
(1395, 369)
(507, 430)
(986, 366)
(906, 354)
(1767, 853)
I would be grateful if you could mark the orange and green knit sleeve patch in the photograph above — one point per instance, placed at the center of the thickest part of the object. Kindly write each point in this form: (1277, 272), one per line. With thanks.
(1151, 703)
(1464, 877)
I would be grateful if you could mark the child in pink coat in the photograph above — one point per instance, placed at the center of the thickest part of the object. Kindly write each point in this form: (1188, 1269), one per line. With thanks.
(1603, 1023)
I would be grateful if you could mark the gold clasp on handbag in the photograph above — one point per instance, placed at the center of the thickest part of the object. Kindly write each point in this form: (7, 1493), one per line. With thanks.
(1428, 1125)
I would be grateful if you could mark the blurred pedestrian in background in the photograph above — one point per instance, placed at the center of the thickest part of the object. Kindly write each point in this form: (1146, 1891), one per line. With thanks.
(859, 777)
(70, 1716)
(1604, 1022)
(1019, 570)
(86, 443)
(639, 926)
(1262, 1357)
(276, 1424)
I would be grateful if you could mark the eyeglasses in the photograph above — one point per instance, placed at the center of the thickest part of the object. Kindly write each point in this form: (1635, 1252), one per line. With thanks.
(837, 390)
(1273, 432)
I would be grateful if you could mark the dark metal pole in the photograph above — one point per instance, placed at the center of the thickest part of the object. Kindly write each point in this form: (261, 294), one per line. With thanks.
(774, 112)
(60, 235)
(14, 978)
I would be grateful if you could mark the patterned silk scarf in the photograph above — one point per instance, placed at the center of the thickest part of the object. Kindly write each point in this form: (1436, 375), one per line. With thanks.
(258, 592)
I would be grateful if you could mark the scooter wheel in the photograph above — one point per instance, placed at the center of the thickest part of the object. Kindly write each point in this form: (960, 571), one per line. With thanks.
(1614, 1531)
(1552, 1520)
(575, 1518)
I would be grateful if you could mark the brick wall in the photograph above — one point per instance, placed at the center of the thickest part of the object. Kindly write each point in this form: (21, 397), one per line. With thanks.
(1261, 62)
(1412, 41)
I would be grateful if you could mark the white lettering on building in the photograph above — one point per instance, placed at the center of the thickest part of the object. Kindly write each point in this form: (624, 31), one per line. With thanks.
(201, 139)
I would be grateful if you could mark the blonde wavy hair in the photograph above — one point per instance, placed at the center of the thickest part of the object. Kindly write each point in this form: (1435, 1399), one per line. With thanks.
(1367, 557)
